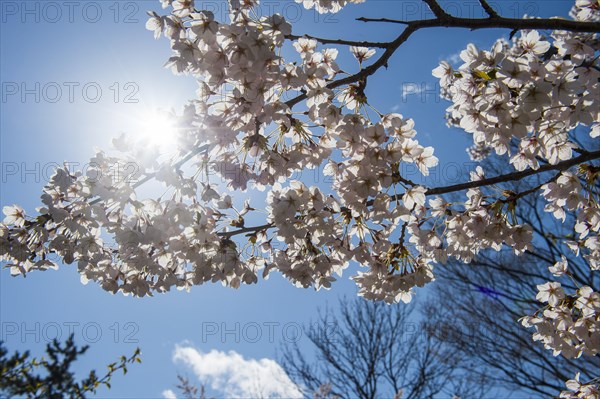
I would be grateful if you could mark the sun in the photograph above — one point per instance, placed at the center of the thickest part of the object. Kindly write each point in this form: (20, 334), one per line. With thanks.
(157, 129)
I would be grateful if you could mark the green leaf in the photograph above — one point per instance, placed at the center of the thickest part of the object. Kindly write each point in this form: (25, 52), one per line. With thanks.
(482, 75)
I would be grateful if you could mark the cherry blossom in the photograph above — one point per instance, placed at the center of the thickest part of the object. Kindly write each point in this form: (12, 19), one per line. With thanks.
(589, 390)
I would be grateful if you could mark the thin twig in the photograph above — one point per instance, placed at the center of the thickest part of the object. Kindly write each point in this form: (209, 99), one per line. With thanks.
(177, 165)
(243, 230)
(516, 196)
(341, 41)
(488, 9)
(437, 10)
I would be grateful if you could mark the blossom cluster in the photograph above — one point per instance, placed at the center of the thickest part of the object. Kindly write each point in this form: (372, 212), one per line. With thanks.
(581, 390)
(568, 194)
(327, 6)
(524, 99)
(305, 221)
(570, 324)
(252, 138)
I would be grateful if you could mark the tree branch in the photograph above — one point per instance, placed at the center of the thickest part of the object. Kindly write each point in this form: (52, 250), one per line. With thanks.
(561, 166)
(442, 19)
(437, 10)
(588, 156)
(448, 21)
(228, 234)
(516, 196)
(176, 165)
(488, 9)
(368, 71)
(340, 41)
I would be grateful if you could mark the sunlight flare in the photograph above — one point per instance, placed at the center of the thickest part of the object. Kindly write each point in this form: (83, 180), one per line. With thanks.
(157, 128)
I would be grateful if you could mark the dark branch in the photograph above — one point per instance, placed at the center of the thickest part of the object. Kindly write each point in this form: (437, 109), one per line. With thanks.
(585, 157)
(243, 230)
(437, 10)
(368, 71)
(341, 41)
(448, 21)
(488, 9)
(515, 197)
(514, 176)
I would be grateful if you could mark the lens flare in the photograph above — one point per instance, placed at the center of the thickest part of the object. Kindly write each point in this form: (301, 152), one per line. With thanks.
(158, 129)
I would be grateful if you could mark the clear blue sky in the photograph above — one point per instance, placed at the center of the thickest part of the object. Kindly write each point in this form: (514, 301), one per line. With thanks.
(86, 46)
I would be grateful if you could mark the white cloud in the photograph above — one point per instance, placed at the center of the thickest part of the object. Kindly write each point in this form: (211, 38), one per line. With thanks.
(234, 376)
(168, 394)
(454, 59)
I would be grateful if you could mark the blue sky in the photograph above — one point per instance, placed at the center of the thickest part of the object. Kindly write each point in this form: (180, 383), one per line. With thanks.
(101, 51)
